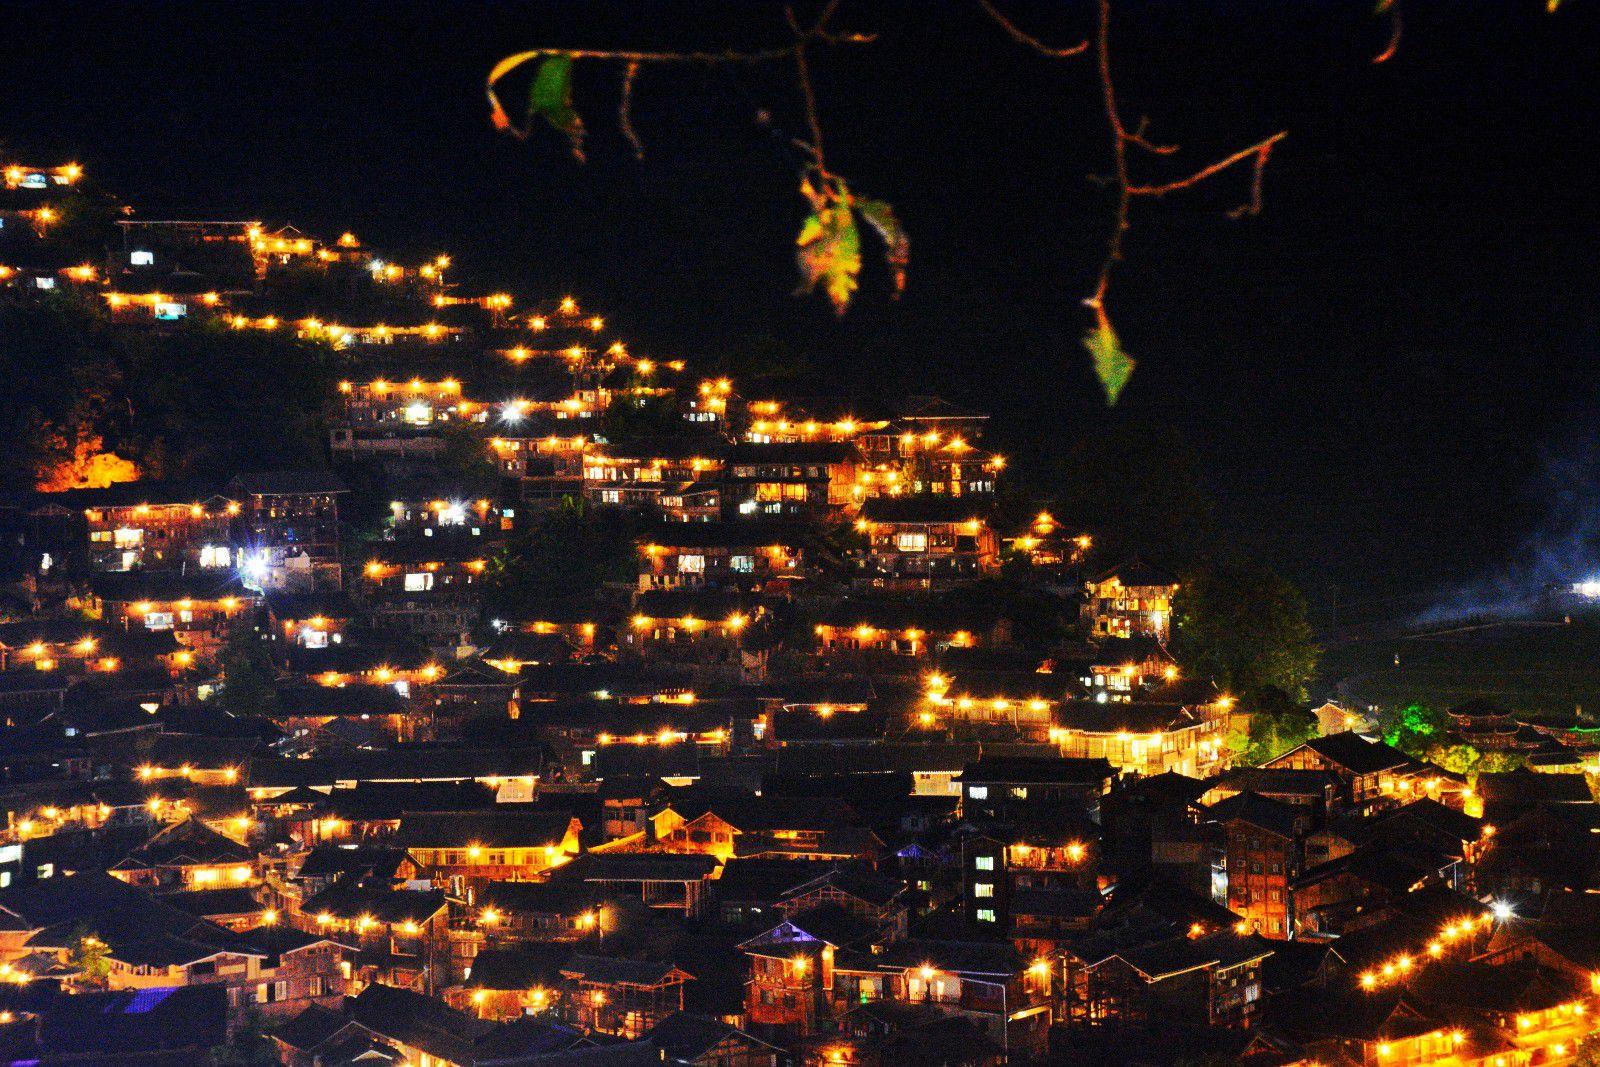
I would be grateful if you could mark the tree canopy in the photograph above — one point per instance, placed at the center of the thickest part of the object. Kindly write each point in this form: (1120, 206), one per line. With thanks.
(93, 404)
(1244, 628)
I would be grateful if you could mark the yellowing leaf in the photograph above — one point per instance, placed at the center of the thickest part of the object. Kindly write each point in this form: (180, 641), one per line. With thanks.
(829, 252)
(1112, 365)
(897, 246)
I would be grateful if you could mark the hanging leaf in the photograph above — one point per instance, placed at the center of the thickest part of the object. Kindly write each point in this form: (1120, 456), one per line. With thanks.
(829, 245)
(550, 98)
(497, 111)
(1112, 365)
(897, 246)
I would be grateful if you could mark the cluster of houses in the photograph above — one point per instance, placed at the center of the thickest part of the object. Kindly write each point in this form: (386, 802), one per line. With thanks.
(844, 768)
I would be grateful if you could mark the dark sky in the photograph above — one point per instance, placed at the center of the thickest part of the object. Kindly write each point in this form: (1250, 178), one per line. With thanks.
(1371, 371)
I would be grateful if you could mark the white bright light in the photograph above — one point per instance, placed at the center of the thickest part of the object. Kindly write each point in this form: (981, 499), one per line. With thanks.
(1502, 911)
(253, 569)
(511, 413)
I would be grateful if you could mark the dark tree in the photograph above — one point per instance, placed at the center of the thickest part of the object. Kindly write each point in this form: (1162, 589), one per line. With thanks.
(1244, 628)
(570, 550)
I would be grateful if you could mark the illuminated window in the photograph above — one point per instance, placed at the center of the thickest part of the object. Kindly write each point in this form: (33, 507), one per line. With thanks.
(911, 542)
(142, 258)
(978, 792)
(691, 564)
(1020, 792)
(158, 620)
(983, 889)
(983, 863)
(986, 915)
(215, 556)
(741, 564)
(419, 581)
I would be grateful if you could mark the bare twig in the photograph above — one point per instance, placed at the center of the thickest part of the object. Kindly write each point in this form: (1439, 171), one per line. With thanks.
(1028, 40)
(802, 68)
(1259, 150)
(803, 38)
(1119, 157)
(625, 109)
(1253, 205)
(1396, 26)
(1121, 179)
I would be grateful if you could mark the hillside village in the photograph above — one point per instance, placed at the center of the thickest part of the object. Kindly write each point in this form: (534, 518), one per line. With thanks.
(579, 707)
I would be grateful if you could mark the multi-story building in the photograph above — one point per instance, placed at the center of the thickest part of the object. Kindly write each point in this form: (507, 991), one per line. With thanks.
(1264, 849)
(924, 542)
(198, 609)
(883, 631)
(636, 473)
(544, 456)
(150, 525)
(288, 528)
(425, 586)
(722, 633)
(789, 480)
(1035, 789)
(1143, 737)
(734, 556)
(460, 849)
(1131, 601)
(1032, 885)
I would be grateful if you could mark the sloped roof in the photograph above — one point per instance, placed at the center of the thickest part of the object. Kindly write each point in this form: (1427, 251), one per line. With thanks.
(423, 1022)
(685, 1038)
(1222, 948)
(640, 866)
(489, 829)
(134, 1022)
(608, 970)
(925, 509)
(351, 900)
(798, 452)
(1261, 812)
(519, 967)
(1038, 769)
(1138, 716)
(288, 483)
(312, 1027)
(963, 957)
(755, 534)
(161, 586)
(1136, 574)
(186, 844)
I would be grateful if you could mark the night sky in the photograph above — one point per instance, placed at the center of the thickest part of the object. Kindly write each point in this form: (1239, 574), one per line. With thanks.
(1374, 373)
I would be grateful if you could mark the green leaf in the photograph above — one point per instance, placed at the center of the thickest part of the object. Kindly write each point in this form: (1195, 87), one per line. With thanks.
(897, 246)
(829, 248)
(1112, 365)
(550, 98)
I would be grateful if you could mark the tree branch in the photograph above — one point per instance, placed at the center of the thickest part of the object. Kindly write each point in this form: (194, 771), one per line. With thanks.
(1028, 40)
(1260, 150)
